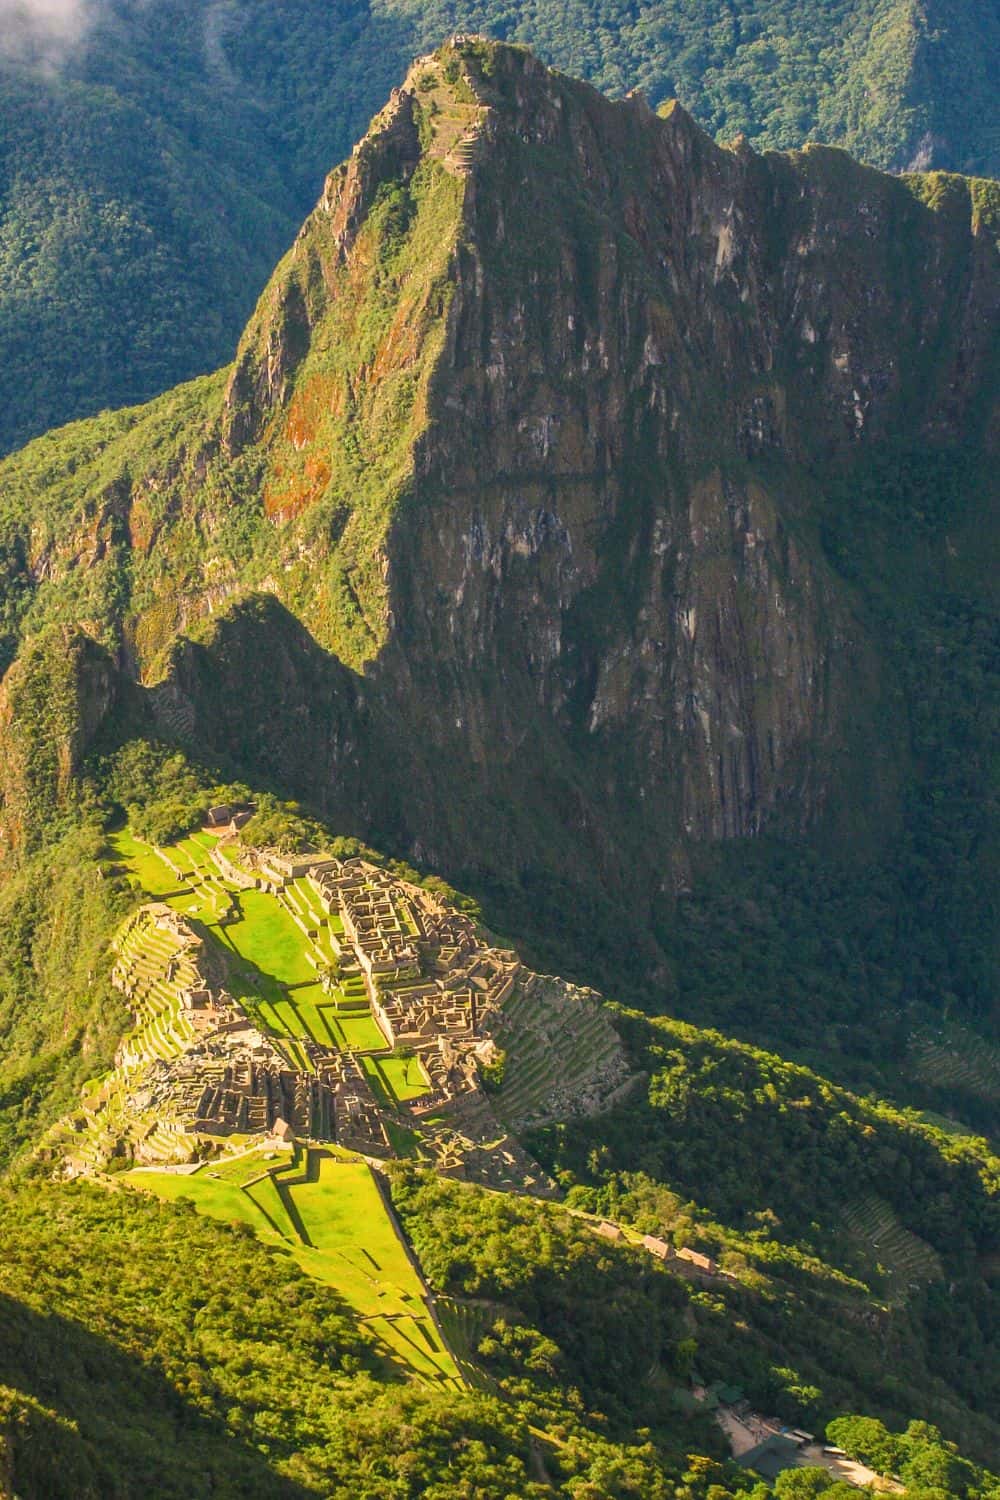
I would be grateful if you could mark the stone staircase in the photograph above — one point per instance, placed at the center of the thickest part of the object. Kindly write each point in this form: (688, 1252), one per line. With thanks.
(173, 713)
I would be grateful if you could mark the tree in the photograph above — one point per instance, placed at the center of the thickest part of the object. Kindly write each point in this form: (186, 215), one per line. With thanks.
(802, 1484)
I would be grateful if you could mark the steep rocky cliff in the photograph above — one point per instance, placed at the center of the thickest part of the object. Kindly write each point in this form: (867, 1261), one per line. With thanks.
(533, 439)
(53, 702)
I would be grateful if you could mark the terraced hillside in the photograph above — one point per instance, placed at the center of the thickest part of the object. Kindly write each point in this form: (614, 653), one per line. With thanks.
(327, 1212)
(465, 1323)
(905, 1261)
(958, 1065)
(562, 1055)
(277, 945)
(327, 1000)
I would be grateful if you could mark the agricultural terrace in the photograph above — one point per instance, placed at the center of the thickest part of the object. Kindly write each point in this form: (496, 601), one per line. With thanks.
(326, 1211)
(353, 1007)
(904, 1261)
(958, 1061)
(274, 964)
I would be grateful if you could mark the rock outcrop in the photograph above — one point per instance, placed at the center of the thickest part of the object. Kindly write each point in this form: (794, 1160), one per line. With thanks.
(526, 443)
(53, 701)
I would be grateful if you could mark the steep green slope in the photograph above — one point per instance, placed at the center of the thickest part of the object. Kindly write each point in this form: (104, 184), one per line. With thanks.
(771, 1166)
(149, 181)
(145, 1350)
(835, 1218)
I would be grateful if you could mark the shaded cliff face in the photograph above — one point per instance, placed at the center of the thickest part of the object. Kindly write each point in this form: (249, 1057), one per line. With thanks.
(653, 346)
(53, 702)
(529, 441)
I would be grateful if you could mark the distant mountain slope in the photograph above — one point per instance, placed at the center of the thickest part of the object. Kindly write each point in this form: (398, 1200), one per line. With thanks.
(148, 183)
(898, 83)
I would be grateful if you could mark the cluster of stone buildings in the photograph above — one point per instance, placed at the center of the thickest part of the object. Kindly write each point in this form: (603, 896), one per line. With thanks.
(693, 1264)
(225, 1076)
(357, 1121)
(198, 1066)
(433, 985)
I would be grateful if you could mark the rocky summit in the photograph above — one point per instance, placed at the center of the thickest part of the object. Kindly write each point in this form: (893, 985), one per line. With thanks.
(505, 537)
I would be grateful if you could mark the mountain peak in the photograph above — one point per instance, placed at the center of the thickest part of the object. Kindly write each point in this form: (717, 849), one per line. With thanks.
(501, 125)
(517, 432)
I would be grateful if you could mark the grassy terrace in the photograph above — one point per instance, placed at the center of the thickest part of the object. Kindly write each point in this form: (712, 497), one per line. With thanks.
(321, 1206)
(957, 1059)
(903, 1261)
(271, 974)
(325, 1210)
(395, 1079)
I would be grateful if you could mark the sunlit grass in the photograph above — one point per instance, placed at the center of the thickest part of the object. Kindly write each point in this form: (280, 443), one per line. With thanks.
(326, 1211)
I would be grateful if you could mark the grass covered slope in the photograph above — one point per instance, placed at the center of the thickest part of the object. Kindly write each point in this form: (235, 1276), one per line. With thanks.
(256, 934)
(328, 1214)
(145, 1349)
(290, 465)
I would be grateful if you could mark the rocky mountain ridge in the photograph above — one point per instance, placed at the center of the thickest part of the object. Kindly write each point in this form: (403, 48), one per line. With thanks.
(517, 481)
(153, 166)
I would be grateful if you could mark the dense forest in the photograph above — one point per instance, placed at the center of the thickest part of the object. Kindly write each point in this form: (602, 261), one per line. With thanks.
(145, 1349)
(771, 1167)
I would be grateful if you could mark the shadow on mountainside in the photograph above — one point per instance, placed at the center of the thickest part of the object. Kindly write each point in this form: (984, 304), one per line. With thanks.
(82, 1420)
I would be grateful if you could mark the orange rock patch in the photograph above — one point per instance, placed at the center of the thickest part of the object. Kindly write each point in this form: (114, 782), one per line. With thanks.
(289, 495)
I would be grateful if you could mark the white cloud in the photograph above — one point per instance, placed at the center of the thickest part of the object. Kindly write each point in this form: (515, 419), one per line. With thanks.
(42, 32)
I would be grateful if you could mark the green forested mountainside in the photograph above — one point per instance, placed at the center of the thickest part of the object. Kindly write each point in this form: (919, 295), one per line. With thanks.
(149, 182)
(145, 1349)
(859, 1239)
(142, 1344)
(918, 1455)
(771, 1163)
(60, 1020)
(789, 1336)
(145, 1346)
(883, 79)
(603, 519)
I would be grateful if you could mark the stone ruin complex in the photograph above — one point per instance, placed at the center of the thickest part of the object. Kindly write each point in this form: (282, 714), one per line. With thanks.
(197, 1068)
(197, 1061)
